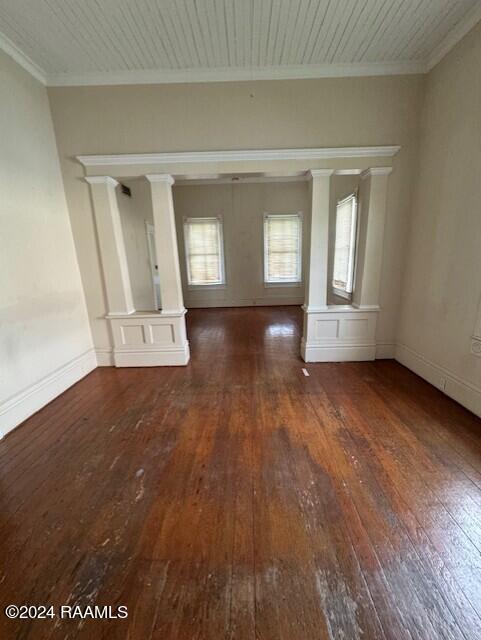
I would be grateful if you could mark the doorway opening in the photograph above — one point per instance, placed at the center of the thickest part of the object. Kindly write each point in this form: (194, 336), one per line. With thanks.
(242, 260)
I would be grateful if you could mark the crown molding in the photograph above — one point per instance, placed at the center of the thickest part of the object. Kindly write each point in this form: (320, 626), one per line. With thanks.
(22, 59)
(233, 74)
(185, 157)
(454, 36)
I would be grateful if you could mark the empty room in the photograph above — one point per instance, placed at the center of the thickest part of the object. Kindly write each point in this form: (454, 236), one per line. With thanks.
(240, 320)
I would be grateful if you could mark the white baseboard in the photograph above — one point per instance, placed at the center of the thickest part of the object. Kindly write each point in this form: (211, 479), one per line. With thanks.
(105, 357)
(312, 352)
(22, 405)
(464, 392)
(385, 350)
(166, 357)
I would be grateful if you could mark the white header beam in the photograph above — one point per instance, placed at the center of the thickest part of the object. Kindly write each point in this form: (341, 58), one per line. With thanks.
(185, 157)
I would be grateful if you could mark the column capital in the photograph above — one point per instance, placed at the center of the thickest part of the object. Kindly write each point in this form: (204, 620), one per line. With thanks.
(102, 180)
(376, 171)
(160, 177)
(319, 173)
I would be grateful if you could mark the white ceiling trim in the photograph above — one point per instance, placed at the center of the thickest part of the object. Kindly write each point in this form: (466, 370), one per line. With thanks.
(23, 60)
(181, 157)
(232, 74)
(454, 36)
(245, 73)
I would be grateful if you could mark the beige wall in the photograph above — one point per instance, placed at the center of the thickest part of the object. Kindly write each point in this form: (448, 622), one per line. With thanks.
(442, 284)
(241, 208)
(43, 320)
(135, 211)
(244, 115)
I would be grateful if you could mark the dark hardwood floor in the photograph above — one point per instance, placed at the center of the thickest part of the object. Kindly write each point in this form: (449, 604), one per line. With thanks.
(236, 498)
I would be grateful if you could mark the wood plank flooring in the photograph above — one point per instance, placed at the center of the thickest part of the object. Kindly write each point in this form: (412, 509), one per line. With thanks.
(237, 499)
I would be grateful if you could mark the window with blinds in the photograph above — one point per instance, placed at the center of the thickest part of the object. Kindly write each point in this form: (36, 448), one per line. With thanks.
(204, 251)
(345, 246)
(282, 248)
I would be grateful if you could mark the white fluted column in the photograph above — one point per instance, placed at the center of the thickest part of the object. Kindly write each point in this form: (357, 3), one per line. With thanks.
(372, 216)
(112, 246)
(166, 243)
(165, 333)
(316, 282)
(316, 277)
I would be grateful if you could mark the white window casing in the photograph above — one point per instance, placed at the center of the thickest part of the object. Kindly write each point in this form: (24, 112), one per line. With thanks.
(282, 248)
(345, 246)
(204, 251)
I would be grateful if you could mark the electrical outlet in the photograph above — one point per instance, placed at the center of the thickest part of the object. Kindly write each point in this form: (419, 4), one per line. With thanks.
(442, 383)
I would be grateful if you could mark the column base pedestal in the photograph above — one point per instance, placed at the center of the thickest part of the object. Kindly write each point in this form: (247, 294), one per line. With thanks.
(339, 334)
(150, 339)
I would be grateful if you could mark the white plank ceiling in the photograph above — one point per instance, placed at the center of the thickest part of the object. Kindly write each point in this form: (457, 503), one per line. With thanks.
(107, 41)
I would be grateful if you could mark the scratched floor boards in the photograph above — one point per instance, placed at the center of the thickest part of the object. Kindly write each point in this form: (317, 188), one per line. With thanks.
(237, 498)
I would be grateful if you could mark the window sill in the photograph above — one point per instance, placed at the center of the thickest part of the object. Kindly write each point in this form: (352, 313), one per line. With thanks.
(341, 293)
(270, 285)
(203, 287)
